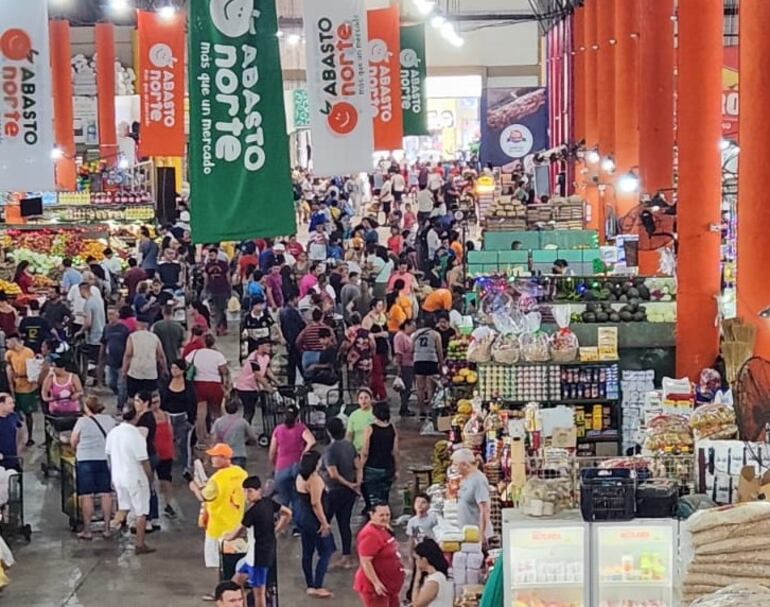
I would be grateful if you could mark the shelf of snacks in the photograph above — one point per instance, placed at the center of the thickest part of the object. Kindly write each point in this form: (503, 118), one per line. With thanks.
(117, 197)
(92, 213)
(509, 214)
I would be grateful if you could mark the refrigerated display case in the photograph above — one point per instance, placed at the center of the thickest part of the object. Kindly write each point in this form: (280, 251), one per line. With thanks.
(634, 564)
(545, 560)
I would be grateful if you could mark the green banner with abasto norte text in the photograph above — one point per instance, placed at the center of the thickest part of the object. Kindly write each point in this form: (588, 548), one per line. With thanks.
(414, 101)
(240, 180)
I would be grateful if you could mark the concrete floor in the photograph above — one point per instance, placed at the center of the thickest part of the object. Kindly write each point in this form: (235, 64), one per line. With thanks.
(58, 570)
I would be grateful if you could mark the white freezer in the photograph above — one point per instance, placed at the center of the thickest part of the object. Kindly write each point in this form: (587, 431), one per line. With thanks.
(546, 560)
(635, 564)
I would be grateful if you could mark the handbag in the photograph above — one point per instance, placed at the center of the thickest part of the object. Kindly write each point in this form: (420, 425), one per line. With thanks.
(190, 372)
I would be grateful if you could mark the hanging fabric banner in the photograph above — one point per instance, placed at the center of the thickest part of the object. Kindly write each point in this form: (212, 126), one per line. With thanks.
(514, 124)
(414, 101)
(240, 177)
(161, 84)
(26, 112)
(104, 38)
(63, 114)
(384, 78)
(338, 87)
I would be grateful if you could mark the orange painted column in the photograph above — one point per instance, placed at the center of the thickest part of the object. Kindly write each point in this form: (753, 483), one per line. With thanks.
(596, 221)
(579, 71)
(61, 93)
(626, 97)
(656, 107)
(754, 135)
(605, 20)
(699, 93)
(104, 34)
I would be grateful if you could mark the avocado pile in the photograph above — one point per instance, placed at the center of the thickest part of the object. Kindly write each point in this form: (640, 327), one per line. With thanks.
(604, 313)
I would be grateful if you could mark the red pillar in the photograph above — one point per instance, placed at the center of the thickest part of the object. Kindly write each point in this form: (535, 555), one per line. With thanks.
(591, 66)
(606, 76)
(592, 108)
(579, 74)
(754, 135)
(626, 96)
(605, 19)
(656, 106)
(699, 92)
(104, 34)
(61, 92)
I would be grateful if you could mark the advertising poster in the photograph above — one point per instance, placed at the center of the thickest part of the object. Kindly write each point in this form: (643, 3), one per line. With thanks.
(26, 107)
(338, 87)
(160, 84)
(514, 124)
(240, 179)
(385, 78)
(414, 101)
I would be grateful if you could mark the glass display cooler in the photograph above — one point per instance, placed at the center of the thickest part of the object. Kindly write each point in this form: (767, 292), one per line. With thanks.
(634, 563)
(546, 560)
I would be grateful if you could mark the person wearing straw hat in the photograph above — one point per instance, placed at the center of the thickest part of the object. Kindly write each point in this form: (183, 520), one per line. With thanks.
(473, 498)
(223, 501)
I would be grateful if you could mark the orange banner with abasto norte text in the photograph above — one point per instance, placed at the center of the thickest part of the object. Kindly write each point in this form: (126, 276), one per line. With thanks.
(385, 78)
(160, 83)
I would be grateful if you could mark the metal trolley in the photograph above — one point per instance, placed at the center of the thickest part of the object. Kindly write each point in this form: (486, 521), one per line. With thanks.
(12, 513)
(273, 406)
(228, 562)
(55, 449)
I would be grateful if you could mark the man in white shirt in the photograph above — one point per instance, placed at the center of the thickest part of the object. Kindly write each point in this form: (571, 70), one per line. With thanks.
(425, 201)
(386, 195)
(398, 185)
(126, 449)
(435, 181)
(77, 302)
(434, 242)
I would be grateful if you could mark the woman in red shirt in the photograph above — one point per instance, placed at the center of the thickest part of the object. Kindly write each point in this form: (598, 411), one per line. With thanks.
(23, 278)
(380, 576)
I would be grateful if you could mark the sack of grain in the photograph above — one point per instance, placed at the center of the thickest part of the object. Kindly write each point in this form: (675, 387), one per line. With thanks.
(728, 515)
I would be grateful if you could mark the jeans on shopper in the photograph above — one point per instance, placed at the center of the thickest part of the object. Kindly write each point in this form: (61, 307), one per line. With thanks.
(309, 358)
(312, 542)
(116, 382)
(249, 402)
(219, 303)
(376, 485)
(407, 376)
(154, 510)
(341, 503)
(284, 487)
(181, 428)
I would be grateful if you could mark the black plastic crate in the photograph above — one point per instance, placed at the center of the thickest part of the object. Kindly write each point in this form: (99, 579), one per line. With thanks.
(607, 495)
(657, 499)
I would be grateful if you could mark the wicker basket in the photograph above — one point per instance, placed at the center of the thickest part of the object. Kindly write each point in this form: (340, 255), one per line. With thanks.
(473, 440)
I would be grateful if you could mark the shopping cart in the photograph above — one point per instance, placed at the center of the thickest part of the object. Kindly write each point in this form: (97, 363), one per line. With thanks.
(229, 556)
(57, 431)
(12, 512)
(273, 406)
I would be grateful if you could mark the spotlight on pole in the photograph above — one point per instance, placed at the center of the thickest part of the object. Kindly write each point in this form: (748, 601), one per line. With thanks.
(293, 39)
(592, 157)
(628, 183)
(424, 7)
(120, 6)
(167, 12)
(437, 21)
(57, 154)
(608, 165)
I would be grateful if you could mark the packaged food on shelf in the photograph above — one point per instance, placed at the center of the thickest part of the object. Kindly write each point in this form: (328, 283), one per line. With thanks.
(564, 343)
(535, 343)
(713, 421)
(506, 350)
(668, 434)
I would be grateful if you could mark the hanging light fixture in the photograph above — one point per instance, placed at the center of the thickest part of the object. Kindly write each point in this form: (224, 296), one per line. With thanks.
(608, 165)
(628, 183)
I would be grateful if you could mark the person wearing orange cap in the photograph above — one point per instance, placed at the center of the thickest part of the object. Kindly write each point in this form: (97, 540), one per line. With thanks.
(223, 500)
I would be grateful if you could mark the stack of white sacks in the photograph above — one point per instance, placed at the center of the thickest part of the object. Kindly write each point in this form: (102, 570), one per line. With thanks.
(465, 546)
